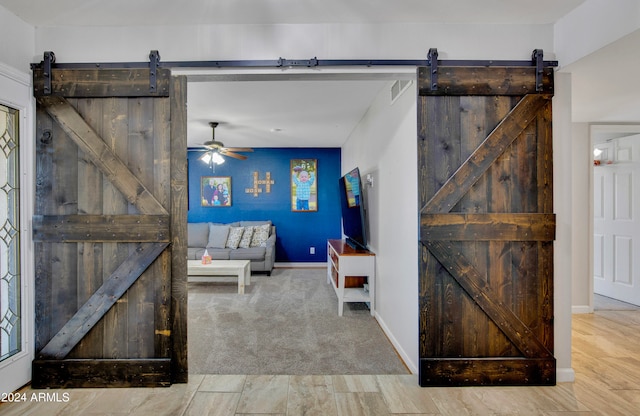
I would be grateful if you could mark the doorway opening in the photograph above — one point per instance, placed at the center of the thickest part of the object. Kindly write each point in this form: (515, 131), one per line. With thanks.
(615, 222)
(234, 100)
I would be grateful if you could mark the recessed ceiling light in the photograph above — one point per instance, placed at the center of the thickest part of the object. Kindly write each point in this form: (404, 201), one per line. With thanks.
(275, 130)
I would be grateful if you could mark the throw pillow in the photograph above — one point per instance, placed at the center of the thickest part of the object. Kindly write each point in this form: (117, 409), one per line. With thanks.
(218, 236)
(197, 234)
(260, 235)
(235, 235)
(246, 237)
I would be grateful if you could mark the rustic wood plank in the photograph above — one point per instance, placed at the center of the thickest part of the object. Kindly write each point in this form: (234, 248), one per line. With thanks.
(424, 179)
(443, 144)
(500, 279)
(544, 152)
(484, 81)
(101, 155)
(444, 139)
(487, 227)
(473, 131)
(62, 374)
(89, 252)
(99, 228)
(43, 204)
(468, 278)
(544, 276)
(162, 191)
(64, 195)
(499, 190)
(101, 301)
(140, 144)
(451, 372)
(102, 83)
(493, 146)
(115, 135)
(179, 208)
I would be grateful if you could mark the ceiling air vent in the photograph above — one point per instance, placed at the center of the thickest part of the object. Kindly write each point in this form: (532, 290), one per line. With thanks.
(397, 88)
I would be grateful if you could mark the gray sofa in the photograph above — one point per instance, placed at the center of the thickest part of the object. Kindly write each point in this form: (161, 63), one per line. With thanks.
(233, 241)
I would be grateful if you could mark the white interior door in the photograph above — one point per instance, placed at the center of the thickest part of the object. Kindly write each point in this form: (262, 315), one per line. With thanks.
(616, 209)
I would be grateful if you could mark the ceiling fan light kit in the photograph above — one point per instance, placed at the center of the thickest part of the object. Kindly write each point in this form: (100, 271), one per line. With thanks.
(212, 157)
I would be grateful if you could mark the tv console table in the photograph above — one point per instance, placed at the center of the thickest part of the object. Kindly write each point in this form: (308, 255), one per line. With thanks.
(348, 270)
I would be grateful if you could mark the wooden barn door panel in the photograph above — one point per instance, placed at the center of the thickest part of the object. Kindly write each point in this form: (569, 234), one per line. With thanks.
(487, 228)
(103, 229)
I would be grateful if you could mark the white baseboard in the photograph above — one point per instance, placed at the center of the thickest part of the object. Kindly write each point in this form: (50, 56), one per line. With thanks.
(301, 265)
(565, 375)
(578, 309)
(411, 365)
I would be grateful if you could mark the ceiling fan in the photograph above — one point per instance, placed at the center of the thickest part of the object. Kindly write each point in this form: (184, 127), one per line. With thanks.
(214, 150)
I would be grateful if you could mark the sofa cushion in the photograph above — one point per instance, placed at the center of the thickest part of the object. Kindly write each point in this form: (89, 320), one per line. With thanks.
(254, 223)
(220, 253)
(246, 237)
(218, 236)
(235, 235)
(254, 253)
(197, 234)
(260, 235)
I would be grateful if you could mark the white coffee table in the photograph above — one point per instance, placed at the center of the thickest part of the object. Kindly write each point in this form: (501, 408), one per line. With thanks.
(199, 272)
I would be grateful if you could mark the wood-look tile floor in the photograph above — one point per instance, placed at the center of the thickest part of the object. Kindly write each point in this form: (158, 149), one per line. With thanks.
(606, 358)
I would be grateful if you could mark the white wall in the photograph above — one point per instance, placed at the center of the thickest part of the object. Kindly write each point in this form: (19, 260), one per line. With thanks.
(582, 218)
(593, 25)
(384, 145)
(325, 41)
(17, 41)
(597, 31)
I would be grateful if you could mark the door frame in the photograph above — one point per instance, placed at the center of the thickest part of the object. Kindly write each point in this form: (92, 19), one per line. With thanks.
(16, 93)
(597, 130)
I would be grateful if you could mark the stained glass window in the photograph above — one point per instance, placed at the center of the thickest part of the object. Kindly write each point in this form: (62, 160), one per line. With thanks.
(10, 325)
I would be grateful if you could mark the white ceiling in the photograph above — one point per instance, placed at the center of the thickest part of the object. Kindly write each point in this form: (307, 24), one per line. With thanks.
(297, 113)
(322, 111)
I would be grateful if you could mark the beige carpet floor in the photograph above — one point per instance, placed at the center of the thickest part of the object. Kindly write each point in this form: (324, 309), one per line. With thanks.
(286, 323)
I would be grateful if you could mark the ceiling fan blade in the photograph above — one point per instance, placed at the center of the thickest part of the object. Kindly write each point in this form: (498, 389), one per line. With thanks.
(237, 149)
(234, 155)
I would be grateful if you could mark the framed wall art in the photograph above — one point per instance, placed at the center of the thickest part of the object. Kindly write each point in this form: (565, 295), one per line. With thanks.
(304, 185)
(216, 191)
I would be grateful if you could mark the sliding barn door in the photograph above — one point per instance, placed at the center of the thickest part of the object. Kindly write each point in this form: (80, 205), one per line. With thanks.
(109, 227)
(487, 227)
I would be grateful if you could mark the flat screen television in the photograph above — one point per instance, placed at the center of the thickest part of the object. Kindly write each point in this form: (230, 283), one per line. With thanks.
(352, 203)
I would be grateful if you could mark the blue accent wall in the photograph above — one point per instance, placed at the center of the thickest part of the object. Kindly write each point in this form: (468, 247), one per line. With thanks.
(296, 231)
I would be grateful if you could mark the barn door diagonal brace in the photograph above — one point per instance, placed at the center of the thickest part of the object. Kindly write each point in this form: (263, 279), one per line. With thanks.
(83, 135)
(487, 152)
(101, 301)
(471, 281)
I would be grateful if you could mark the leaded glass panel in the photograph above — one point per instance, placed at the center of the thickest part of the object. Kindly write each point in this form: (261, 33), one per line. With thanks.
(10, 325)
